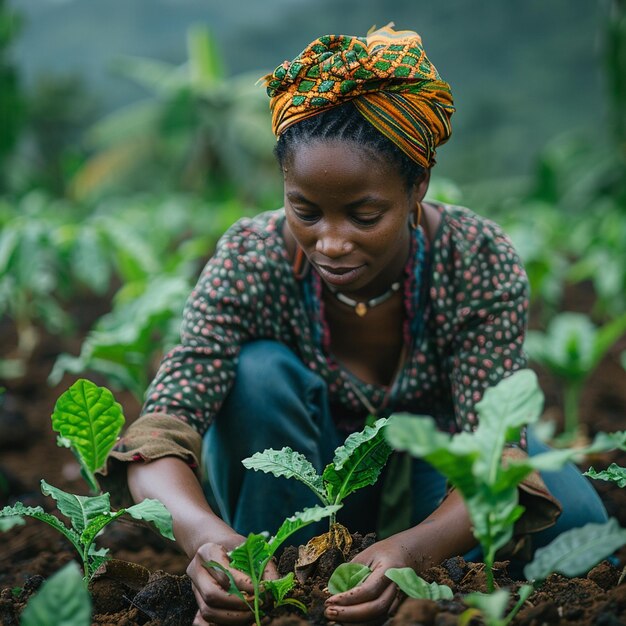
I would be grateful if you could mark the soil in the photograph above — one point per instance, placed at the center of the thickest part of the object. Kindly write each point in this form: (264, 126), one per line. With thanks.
(146, 584)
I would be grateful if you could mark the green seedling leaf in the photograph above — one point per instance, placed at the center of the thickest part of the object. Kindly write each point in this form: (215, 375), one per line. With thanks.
(300, 520)
(62, 600)
(347, 576)
(38, 513)
(280, 587)
(80, 509)
(415, 586)
(90, 419)
(289, 464)
(154, 511)
(6, 523)
(358, 462)
(613, 473)
(233, 590)
(491, 605)
(577, 550)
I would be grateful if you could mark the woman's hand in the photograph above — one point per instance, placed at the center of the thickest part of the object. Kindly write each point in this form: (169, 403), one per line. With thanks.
(377, 597)
(444, 533)
(210, 585)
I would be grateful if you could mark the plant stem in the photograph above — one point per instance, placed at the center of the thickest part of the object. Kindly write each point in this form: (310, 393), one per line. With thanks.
(571, 404)
(489, 559)
(257, 593)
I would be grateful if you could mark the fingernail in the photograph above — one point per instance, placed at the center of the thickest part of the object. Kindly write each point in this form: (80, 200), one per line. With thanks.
(331, 612)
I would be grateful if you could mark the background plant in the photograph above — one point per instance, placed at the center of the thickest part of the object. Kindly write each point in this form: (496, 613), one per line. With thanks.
(571, 349)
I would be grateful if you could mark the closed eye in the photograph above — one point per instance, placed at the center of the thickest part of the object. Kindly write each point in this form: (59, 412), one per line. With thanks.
(366, 220)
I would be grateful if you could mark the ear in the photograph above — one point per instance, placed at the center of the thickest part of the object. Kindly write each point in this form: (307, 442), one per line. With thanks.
(421, 187)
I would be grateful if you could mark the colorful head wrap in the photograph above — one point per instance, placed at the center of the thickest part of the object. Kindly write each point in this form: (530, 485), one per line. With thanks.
(386, 74)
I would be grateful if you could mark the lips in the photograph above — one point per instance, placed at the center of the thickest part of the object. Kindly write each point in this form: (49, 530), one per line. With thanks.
(339, 275)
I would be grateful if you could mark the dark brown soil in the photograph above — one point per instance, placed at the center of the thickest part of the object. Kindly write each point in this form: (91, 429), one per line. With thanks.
(153, 589)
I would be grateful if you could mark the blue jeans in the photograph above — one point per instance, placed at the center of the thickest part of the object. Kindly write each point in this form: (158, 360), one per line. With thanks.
(277, 401)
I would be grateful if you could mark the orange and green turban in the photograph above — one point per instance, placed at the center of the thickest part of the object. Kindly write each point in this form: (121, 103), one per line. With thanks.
(387, 76)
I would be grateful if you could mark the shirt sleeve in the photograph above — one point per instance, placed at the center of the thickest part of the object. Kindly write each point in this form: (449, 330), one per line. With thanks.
(222, 313)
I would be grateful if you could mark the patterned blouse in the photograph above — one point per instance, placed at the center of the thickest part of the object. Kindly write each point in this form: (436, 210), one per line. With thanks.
(471, 309)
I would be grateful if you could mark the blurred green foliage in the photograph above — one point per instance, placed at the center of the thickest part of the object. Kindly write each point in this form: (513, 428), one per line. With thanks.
(126, 207)
(11, 98)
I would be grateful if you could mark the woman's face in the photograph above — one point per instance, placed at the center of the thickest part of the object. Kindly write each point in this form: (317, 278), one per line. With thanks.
(349, 212)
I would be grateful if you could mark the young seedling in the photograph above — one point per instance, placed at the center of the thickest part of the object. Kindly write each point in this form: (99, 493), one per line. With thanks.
(253, 556)
(88, 516)
(472, 461)
(571, 348)
(356, 464)
(88, 420)
(348, 575)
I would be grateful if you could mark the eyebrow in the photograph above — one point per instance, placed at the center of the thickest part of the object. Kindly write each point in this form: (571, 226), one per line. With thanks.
(372, 200)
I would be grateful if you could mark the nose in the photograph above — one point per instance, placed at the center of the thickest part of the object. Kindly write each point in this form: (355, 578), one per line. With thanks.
(332, 244)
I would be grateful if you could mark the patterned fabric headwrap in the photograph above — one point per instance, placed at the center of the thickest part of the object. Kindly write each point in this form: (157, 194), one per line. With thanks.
(386, 74)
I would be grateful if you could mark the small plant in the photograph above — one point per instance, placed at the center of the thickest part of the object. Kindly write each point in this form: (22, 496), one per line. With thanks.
(348, 575)
(472, 461)
(571, 348)
(613, 473)
(88, 516)
(356, 464)
(62, 599)
(88, 420)
(253, 556)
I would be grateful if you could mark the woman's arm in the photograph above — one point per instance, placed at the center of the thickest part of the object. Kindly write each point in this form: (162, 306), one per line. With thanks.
(200, 532)
(445, 533)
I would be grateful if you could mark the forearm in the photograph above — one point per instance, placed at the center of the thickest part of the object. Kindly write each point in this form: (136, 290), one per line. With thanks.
(172, 481)
(446, 532)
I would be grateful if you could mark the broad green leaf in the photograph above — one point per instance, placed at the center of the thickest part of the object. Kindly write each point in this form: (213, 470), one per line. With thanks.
(154, 511)
(38, 513)
(6, 523)
(514, 402)
(80, 509)
(420, 436)
(300, 520)
(63, 600)
(89, 417)
(607, 336)
(415, 586)
(358, 462)
(577, 550)
(347, 576)
(290, 464)
(613, 473)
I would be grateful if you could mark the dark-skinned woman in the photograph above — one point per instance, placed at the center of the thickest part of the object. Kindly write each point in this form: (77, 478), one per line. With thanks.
(357, 298)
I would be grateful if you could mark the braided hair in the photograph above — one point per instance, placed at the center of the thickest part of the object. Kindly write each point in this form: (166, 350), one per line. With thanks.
(344, 122)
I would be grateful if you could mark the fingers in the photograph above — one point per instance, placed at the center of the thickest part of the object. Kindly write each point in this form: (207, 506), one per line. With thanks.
(210, 587)
(367, 602)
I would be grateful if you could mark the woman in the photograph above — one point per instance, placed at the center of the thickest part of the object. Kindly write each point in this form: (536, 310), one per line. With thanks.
(358, 298)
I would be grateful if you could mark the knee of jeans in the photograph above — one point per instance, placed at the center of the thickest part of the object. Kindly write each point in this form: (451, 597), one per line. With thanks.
(264, 366)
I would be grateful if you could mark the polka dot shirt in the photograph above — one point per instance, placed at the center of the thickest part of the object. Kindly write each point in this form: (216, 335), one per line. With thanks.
(474, 313)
